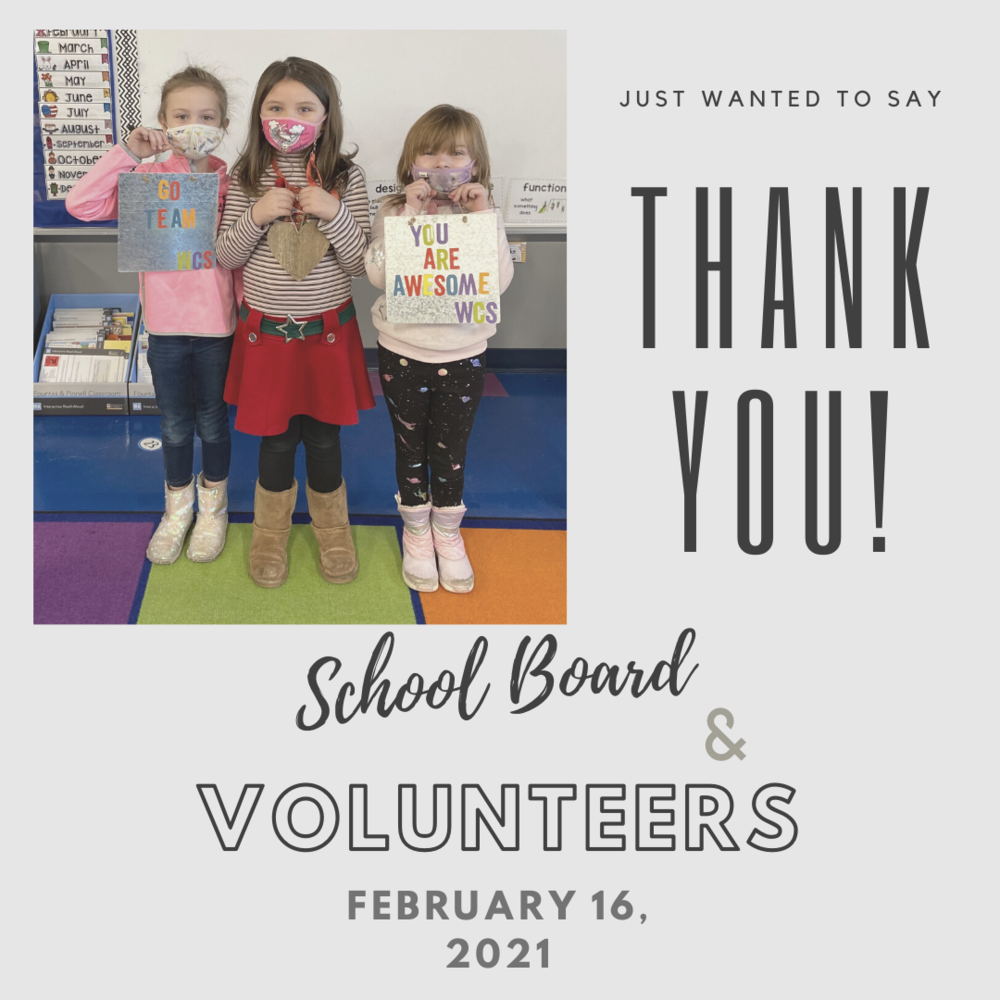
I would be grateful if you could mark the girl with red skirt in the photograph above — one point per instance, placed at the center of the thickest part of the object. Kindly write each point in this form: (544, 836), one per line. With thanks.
(297, 222)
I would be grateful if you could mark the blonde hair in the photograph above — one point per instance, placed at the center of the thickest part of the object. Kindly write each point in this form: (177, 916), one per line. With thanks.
(194, 76)
(444, 125)
(332, 163)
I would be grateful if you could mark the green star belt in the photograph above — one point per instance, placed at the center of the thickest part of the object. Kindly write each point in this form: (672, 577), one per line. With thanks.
(292, 329)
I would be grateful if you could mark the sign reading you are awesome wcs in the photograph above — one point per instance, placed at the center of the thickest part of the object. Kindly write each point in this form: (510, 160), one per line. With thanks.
(442, 269)
(166, 222)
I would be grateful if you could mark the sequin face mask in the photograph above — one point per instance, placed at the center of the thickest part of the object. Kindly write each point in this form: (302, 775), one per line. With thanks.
(444, 179)
(194, 141)
(288, 135)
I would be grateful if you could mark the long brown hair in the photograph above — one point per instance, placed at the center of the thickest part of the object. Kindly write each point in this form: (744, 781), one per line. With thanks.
(443, 125)
(331, 162)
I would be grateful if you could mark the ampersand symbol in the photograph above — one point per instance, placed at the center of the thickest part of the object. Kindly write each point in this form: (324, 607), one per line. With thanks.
(715, 733)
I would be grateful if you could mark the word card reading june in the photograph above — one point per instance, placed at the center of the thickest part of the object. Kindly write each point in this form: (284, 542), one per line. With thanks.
(442, 269)
(166, 222)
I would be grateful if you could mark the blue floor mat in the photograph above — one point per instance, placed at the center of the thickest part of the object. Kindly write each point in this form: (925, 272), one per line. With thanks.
(516, 460)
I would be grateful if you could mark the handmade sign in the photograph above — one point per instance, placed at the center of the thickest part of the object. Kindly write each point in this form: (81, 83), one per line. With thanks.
(166, 222)
(442, 269)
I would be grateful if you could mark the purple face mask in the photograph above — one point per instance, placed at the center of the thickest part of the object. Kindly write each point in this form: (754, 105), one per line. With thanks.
(444, 179)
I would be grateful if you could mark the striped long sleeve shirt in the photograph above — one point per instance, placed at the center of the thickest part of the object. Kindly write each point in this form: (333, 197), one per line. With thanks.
(267, 286)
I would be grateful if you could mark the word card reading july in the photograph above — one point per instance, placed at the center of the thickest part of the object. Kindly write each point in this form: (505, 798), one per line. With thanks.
(442, 269)
(166, 222)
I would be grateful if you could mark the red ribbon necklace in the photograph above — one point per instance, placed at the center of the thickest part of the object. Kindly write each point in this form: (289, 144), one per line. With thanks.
(298, 216)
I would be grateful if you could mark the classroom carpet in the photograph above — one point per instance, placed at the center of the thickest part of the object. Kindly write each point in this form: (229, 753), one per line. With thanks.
(97, 490)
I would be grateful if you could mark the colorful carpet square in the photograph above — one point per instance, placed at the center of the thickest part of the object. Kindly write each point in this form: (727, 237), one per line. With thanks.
(96, 572)
(87, 572)
(223, 593)
(520, 580)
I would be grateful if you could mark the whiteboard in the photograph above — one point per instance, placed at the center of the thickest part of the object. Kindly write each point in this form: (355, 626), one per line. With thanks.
(515, 81)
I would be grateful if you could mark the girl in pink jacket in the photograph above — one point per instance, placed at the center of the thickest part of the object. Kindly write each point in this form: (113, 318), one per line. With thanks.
(189, 316)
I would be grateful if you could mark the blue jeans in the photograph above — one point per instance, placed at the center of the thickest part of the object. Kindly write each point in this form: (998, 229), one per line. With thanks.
(189, 374)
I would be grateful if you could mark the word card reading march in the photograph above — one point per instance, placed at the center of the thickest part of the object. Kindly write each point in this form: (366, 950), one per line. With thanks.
(442, 269)
(166, 222)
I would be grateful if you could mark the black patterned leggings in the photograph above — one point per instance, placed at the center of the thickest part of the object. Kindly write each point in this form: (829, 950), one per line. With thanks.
(432, 408)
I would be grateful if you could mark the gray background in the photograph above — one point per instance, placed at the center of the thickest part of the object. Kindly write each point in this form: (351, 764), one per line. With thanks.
(867, 682)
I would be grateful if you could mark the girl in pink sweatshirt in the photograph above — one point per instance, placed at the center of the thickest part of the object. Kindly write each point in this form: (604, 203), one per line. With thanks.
(189, 316)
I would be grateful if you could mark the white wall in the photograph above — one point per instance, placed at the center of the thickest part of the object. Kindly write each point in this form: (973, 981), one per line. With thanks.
(515, 81)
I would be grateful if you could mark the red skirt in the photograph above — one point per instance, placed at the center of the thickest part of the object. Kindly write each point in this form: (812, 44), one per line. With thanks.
(323, 375)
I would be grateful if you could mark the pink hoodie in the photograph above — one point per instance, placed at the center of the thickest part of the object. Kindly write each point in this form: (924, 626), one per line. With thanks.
(189, 302)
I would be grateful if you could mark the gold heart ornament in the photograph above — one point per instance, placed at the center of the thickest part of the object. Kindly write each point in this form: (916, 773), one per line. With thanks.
(297, 250)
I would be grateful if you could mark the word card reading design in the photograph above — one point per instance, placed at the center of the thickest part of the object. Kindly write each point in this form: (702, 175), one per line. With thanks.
(166, 222)
(379, 189)
(442, 269)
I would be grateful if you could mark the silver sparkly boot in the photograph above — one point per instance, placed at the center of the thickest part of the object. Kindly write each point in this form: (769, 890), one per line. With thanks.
(168, 539)
(209, 536)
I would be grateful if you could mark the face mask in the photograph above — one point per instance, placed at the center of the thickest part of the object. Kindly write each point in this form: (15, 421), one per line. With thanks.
(194, 141)
(289, 134)
(444, 179)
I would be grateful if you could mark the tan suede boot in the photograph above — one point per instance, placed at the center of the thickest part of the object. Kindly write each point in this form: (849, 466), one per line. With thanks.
(272, 524)
(338, 562)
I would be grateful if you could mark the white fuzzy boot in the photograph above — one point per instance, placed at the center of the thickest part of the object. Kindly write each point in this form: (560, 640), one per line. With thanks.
(419, 567)
(209, 536)
(454, 568)
(168, 539)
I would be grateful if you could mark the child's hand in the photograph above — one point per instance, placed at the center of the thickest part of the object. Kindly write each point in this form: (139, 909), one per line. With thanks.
(147, 142)
(276, 203)
(418, 194)
(322, 204)
(471, 197)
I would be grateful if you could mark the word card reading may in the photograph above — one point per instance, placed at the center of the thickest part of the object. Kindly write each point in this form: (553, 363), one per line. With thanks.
(166, 222)
(442, 269)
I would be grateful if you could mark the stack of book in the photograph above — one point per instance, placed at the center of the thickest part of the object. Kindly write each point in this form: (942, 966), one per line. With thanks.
(87, 345)
(142, 372)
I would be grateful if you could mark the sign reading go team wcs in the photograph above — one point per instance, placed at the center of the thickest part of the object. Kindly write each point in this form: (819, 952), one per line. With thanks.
(166, 222)
(442, 269)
